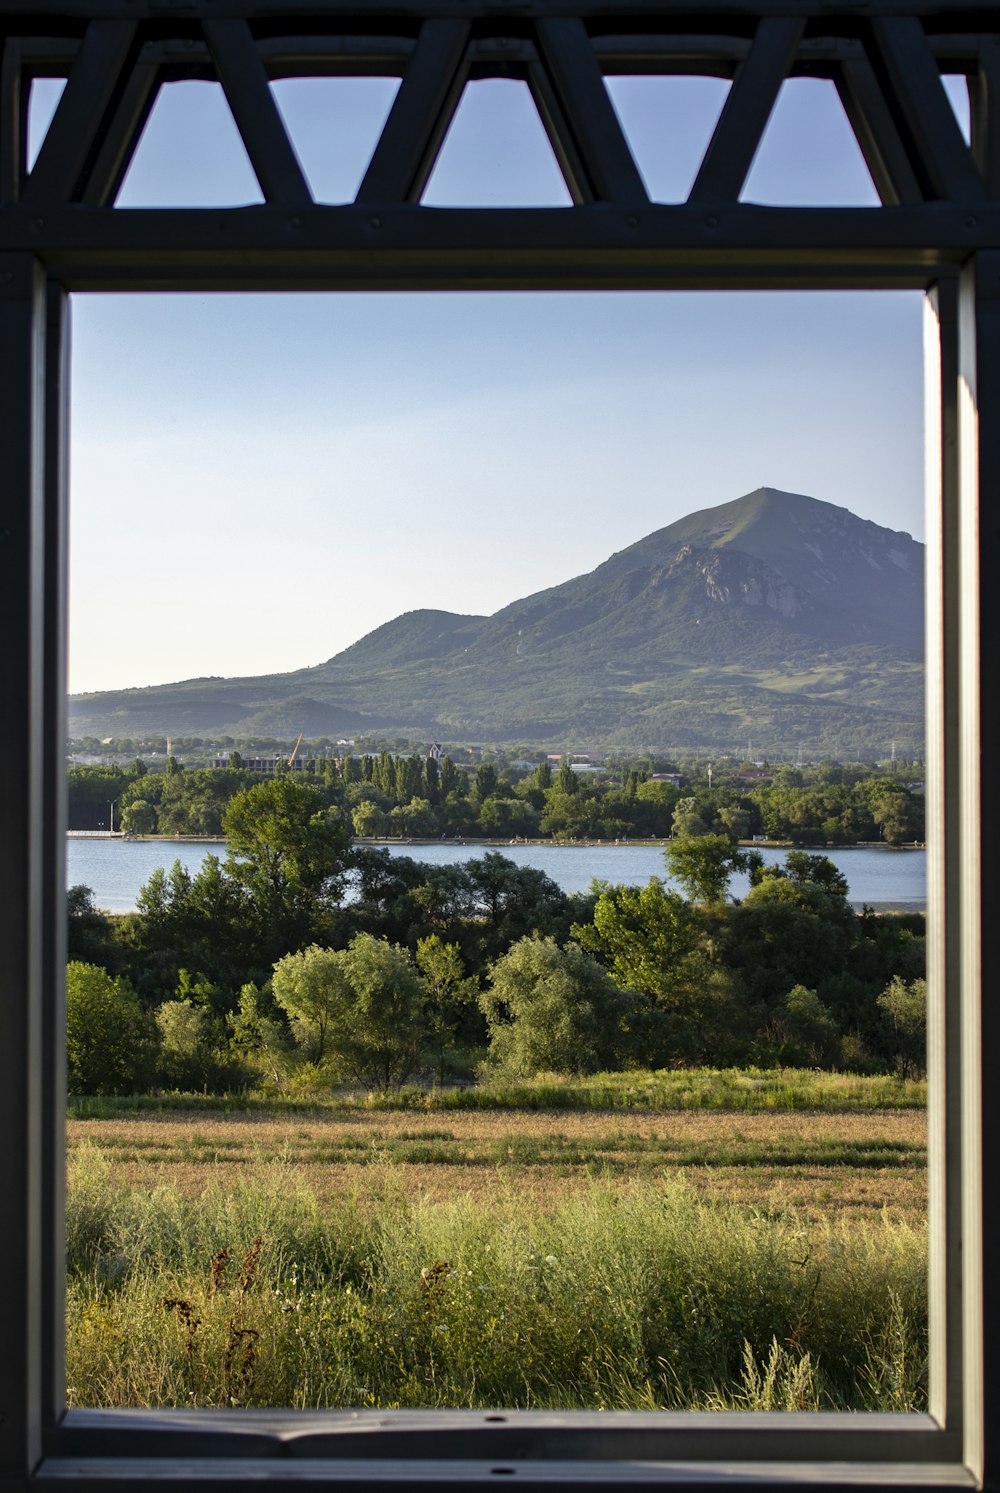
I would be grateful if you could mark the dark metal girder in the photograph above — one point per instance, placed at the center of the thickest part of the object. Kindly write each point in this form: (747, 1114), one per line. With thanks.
(737, 246)
(915, 90)
(38, 16)
(876, 133)
(122, 133)
(421, 112)
(244, 81)
(74, 135)
(13, 115)
(584, 127)
(746, 110)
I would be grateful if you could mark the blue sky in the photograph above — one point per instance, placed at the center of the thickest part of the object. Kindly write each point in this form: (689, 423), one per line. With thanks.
(258, 481)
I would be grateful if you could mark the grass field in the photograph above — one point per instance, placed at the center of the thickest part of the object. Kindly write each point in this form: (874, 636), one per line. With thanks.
(764, 1255)
(823, 1165)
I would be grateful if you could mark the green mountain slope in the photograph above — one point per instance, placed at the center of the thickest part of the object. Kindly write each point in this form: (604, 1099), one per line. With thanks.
(776, 616)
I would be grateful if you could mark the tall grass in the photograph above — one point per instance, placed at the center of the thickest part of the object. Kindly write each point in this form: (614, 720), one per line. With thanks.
(640, 1297)
(744, 1090)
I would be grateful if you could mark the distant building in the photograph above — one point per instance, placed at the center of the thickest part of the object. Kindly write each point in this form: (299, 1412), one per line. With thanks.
(435, 751)
(268, 764)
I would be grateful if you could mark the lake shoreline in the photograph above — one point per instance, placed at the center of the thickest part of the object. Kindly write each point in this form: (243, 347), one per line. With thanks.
(395, 841)
(877, 877)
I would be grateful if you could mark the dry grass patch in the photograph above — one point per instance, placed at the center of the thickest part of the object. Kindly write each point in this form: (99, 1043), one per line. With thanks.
(823, 1163)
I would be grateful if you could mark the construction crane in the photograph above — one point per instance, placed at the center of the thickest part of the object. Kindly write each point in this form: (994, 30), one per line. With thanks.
(295, 751)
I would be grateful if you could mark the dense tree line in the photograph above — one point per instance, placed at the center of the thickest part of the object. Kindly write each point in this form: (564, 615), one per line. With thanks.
(300, 961)
(414, 797)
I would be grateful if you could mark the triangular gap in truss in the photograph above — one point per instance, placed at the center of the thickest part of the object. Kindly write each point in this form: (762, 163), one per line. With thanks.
(956, 86)
(43, 100)
(334, 125)
(190, 153)
(496, 153)
(808, 156)
(669, 122)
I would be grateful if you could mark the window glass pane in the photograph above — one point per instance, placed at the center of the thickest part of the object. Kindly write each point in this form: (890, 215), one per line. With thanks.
(433, 1127)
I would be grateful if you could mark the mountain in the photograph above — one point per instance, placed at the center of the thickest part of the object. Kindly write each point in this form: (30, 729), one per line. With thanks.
(776, 617)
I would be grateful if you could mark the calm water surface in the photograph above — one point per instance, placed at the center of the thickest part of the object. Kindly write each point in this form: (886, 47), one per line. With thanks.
(879, 876)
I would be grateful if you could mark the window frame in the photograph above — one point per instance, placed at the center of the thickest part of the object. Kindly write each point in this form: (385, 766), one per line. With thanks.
(54, 242)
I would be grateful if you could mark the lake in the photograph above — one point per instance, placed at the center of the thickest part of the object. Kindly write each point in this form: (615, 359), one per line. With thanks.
(877, 875)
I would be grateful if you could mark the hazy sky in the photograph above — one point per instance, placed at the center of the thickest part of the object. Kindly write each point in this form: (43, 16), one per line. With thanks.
(257, 481)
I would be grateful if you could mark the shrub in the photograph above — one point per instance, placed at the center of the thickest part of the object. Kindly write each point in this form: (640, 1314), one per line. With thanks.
(110, 1041)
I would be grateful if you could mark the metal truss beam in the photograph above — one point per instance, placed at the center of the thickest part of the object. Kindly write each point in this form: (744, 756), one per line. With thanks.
(598, 246)
(939, 194)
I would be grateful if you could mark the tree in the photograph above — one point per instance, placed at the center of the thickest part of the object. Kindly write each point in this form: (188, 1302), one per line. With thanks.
(653, 941)
(255, 1034)
(109, 1037)
(312, 990)
(815, 870)
(369, 820)
(898, 815)
(452, 778)
(514, 900)
(139, 818)
(358, 1009)
(568, 781)
(804, 1032)
(504, 817)
(90, 935)
(703, 865)
(486, 781)
(645, 936)
(543, 776)
(447, 991)
(687, 821)
(380, 1040)
(905, 1008)
(552, 1009)
(414, 820)
(201, 922)
(287, 852)
(187, 1058)
(784, 934)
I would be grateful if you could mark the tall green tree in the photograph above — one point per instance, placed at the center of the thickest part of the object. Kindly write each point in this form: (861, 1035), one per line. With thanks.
(568, 781)
(360, 1009)
(552, 1009)
(486, 781)
(447, 992)
(655, 942)
(452, 779)
(288, 853)
(110, 1040)
(905, 1009)
(703, 865)
(311, 988)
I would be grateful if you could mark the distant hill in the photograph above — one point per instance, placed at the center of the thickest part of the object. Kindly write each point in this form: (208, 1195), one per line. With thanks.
(775, 617)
